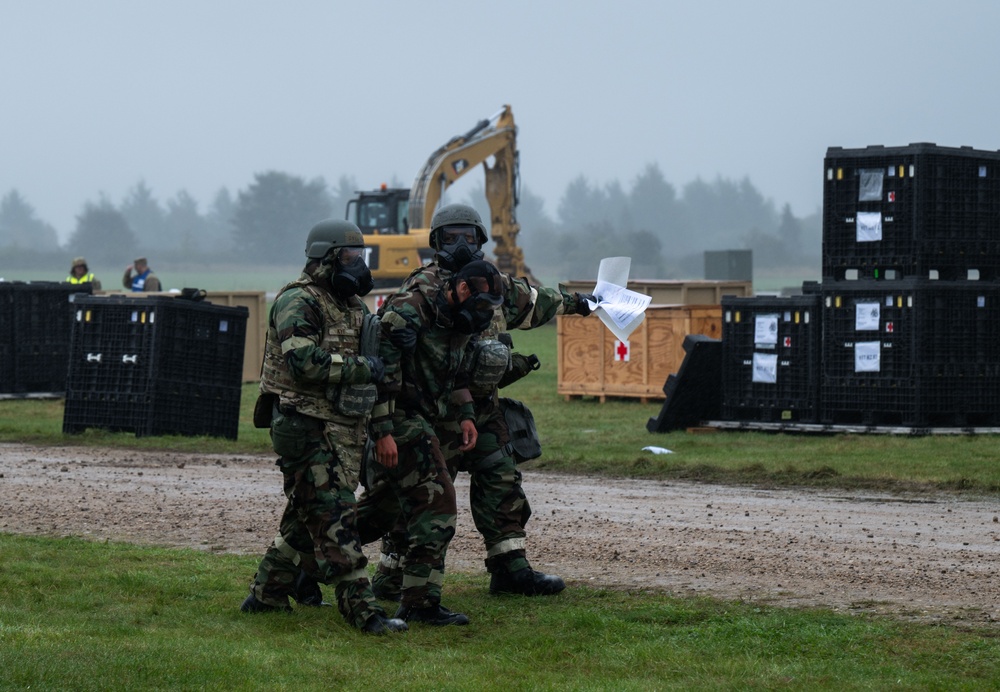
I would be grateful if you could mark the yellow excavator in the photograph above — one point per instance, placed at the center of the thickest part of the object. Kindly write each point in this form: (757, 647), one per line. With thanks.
(396, 221)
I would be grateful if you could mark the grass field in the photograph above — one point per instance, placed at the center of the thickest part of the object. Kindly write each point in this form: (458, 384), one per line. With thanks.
(94, 616)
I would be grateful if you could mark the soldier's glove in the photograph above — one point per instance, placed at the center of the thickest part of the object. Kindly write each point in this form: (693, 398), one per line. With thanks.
(362, 370)
(404, 339)
(582, 306)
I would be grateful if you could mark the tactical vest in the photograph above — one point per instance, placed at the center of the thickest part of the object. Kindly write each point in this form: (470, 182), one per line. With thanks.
(341, 336)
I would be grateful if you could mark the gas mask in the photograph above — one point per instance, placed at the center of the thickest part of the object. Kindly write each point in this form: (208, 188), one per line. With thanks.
(351, 276)
(474, 314)
(455, 249)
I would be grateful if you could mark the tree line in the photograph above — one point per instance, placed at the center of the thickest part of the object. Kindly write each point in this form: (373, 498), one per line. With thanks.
(663, 229)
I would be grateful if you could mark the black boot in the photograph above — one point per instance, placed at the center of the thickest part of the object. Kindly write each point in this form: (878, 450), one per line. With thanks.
(525, 581)
(432, 615)
(252, 605)
(307, 591)
(380, 624)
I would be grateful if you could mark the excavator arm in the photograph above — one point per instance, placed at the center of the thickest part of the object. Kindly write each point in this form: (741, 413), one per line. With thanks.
(494, 137)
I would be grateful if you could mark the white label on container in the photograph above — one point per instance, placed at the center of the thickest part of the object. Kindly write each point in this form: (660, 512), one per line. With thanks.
(765, 368)
(869, 226)
(765, 329)
(866, 316)
(867, 356)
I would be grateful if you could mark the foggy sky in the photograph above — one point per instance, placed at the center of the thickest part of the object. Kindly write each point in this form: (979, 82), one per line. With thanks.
(197, 95)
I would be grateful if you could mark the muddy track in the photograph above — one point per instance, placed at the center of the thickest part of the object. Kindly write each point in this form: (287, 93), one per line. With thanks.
(928, 557)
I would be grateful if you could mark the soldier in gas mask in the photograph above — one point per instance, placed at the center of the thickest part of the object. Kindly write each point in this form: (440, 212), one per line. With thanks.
(499, 506)
(426, 328)
(316, 397)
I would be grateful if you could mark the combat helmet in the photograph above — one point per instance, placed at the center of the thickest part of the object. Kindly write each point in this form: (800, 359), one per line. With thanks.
(332, 233)
(456, 215)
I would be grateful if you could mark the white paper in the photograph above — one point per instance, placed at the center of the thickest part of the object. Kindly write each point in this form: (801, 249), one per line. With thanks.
(866, 316)
(869, 226)
(765, 329)
(657, 450)
(765, 368)
(620, 309)
(867, 356)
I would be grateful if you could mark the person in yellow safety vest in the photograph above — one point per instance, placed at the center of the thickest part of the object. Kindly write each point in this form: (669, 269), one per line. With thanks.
(79, 273)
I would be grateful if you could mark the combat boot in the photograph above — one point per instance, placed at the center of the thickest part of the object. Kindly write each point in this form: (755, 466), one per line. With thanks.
(380, 624)
(307, 591)
(525, 581)
(432, 615)
(253, 605)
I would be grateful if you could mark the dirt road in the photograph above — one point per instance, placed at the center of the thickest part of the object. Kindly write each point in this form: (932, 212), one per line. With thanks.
(928, 557)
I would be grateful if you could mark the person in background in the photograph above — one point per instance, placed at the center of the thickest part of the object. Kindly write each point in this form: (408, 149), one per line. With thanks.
(79, 273)
(143, 280)
(316, 396)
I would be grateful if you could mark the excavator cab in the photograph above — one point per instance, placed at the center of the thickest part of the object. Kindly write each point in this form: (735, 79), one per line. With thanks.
(381, 212)
(398, 249)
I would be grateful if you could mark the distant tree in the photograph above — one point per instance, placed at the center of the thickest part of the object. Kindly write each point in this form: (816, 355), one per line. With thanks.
(21, 228)
(720, 213)
(219, 223)
(185, 225)
(273, 215)
(102, 235)
(790, 233)
(654, 205)
(582, 204)
(146, 218)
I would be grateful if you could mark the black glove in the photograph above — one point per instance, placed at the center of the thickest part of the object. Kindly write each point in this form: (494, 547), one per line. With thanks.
(582, 306)
(520, 365)
(376, 367)
(404, 339)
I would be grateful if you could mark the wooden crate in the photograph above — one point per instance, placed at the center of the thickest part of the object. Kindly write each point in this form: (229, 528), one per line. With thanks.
(586, 352)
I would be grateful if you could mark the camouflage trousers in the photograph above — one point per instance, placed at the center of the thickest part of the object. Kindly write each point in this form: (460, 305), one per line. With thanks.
(318, 533)
(418, 495)
(500, 509)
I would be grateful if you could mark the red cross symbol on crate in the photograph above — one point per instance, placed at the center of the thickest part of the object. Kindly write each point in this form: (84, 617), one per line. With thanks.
(889, 327)
(621, 351)
(787, 342)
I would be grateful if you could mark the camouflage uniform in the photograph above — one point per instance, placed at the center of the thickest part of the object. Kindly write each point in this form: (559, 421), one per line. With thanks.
(421, 387)
(318, 430)
(500, 509)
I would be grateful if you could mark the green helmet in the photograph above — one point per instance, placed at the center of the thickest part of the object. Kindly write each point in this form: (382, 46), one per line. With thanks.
(456, 215)
(332, 233)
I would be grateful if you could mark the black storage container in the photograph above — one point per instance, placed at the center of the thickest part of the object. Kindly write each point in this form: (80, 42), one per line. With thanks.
(35, 326)
(770, 358)
(155, 365)
(913, 352)
(921, 211)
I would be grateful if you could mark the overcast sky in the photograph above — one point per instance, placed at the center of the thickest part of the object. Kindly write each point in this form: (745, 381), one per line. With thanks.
(200, 94)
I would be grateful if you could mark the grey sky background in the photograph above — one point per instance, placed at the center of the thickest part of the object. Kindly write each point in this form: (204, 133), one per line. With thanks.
(198, 95)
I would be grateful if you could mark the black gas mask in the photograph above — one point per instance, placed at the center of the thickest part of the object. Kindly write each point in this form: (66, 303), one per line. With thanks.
(457, 246)
(474, 314)
(351, 276)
